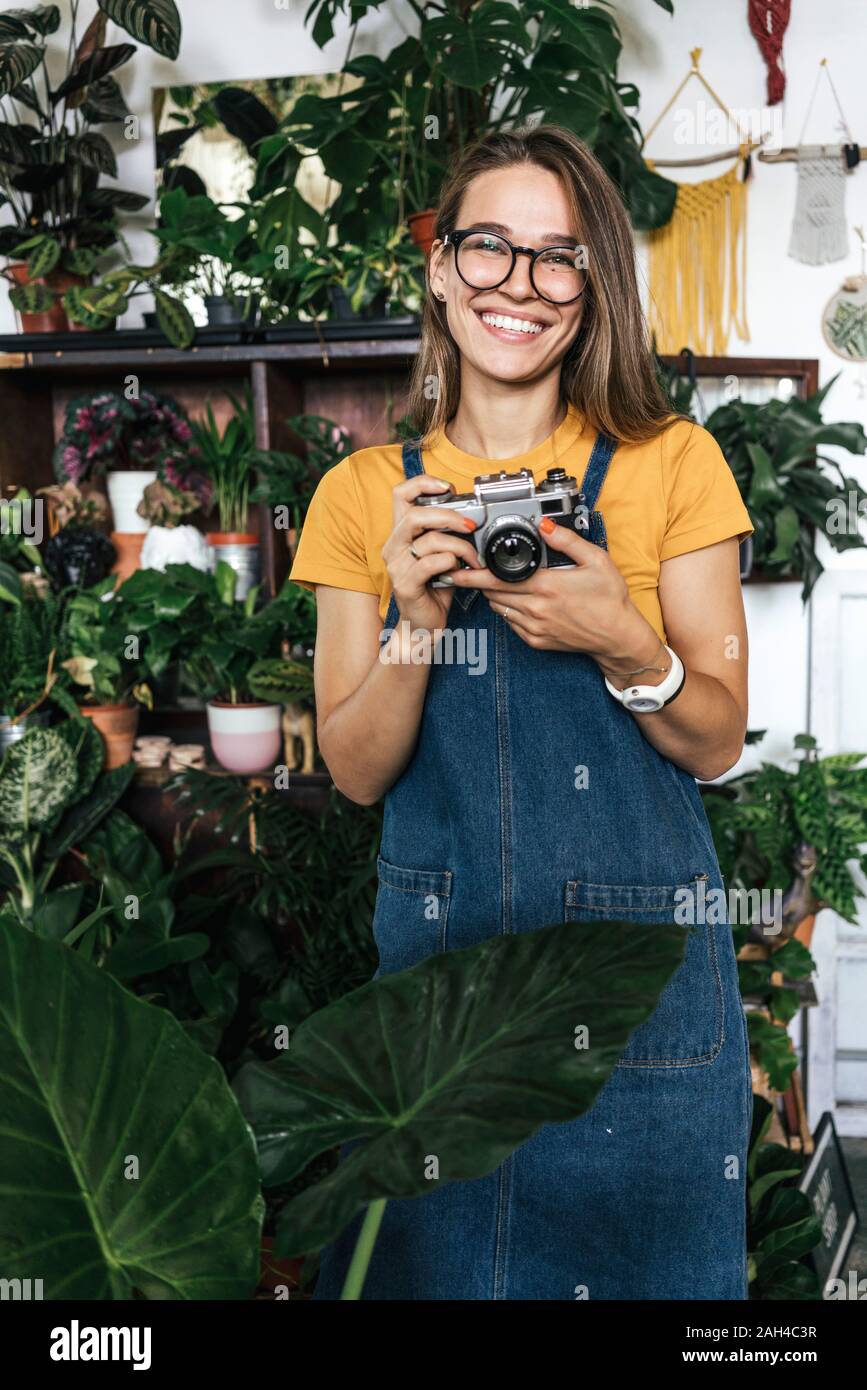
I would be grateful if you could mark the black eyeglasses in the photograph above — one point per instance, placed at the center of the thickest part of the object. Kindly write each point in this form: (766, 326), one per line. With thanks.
(485, 260)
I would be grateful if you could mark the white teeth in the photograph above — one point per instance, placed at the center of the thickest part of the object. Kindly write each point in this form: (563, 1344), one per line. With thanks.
(516, 325)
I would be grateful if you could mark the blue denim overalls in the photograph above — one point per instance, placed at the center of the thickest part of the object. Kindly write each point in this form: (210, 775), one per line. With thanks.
(643, 1197)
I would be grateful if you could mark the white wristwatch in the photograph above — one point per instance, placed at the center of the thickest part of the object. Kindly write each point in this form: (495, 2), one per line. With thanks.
(647, 699)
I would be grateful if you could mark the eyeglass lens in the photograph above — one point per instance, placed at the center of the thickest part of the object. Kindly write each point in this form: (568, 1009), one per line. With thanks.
(484, 261)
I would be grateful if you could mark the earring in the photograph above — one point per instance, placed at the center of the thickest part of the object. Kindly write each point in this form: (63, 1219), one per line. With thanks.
(441, 297)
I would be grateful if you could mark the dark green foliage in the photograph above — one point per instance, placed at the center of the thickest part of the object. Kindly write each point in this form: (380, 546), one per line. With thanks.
(781, 1228)
(759, 818)
(773, 450)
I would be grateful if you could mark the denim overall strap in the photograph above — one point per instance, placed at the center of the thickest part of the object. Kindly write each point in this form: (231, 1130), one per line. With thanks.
(594, 477)
(412, 468)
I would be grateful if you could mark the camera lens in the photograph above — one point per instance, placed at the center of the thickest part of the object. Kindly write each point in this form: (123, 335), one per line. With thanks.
(513, 550)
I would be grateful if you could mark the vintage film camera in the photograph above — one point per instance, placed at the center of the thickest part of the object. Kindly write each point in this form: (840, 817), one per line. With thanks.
(507, 509)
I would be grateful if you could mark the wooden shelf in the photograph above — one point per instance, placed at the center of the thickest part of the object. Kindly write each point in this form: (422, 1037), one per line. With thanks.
(356, 375)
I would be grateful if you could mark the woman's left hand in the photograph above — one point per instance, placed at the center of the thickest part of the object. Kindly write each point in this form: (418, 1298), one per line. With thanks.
(585, 609)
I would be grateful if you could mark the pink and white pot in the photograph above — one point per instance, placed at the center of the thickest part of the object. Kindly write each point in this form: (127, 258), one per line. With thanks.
(245, 738)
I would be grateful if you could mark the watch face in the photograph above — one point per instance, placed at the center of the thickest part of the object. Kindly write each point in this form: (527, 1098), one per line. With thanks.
(643, 704)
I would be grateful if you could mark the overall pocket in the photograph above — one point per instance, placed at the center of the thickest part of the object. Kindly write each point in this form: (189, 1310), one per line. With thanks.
(411, 917)
(687, 1027)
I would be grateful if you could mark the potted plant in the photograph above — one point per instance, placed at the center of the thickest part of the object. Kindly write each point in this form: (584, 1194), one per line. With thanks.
(772, 450)
(104, 657)
(78, 553)
(178, 492)
(100, 305)
(53, 152)
(798, 834)
(759, 819)
(228, 458)
(219, 239)
(390, 137)
(129, 439)
(245, 730)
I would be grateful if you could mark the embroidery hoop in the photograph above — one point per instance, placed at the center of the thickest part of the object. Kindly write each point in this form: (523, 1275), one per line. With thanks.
(851, 297)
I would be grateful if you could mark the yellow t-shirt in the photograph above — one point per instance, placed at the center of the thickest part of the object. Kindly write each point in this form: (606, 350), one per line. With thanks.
(659, 499)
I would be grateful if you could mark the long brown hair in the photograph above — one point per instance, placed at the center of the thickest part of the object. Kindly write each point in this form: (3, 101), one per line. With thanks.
(608, 372)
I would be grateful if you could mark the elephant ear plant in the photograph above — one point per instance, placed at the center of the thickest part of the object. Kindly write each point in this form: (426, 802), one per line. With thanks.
(464, 1055)
(129, 1171)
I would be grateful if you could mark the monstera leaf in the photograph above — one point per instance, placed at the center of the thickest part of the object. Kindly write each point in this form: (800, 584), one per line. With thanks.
(125, 1164)
(465, 1056)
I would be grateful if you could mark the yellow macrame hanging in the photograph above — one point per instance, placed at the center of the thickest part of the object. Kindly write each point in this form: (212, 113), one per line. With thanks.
(698, 267)
(698, 260)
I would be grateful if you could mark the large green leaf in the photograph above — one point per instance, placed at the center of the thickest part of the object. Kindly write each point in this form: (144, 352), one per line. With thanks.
(465, 1055)
(93, 68)
(37, 778)
(17, 62)
(174, 319)
(154, 22)
(104, 102)
(83, 817)
(10, 587)
(787, 1231)
(43, 19)
(43, 258)
(92, 1078)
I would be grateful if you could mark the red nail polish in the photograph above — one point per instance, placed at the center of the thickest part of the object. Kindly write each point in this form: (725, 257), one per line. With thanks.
(547, 525)
(469, 523)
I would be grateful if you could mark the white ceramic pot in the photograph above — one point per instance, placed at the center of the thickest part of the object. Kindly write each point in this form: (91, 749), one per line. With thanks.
(175, 545)
(245, 738)
(125, 491)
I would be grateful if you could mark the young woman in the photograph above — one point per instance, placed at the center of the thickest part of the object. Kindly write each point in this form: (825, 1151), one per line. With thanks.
(525, 788)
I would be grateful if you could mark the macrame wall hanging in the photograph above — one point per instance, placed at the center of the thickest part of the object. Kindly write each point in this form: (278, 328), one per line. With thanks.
(698, 260)
(769, 20)
(819, 234)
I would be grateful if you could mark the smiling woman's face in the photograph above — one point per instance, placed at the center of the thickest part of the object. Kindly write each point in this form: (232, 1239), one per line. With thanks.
(527, 205)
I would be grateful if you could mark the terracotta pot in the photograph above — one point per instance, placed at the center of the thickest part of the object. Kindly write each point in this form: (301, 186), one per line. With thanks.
(245, 738)
(118, 725)
(54, 320)
(128, 545)
(804, 930)
(240, 549)
(277, 1269)
(421, 228)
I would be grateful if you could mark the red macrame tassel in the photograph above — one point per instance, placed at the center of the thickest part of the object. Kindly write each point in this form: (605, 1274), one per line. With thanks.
(768, 21)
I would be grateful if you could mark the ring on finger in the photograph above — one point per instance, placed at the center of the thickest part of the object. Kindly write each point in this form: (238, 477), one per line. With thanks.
(506, 612)
(414, 553)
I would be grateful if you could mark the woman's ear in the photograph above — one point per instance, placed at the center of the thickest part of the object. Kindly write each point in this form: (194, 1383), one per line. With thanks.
(436, 271)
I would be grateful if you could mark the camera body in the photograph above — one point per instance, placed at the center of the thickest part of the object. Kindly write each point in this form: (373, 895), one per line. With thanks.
(507, 509)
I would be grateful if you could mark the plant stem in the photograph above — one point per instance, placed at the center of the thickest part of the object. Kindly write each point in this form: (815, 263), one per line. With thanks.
(363, 1250)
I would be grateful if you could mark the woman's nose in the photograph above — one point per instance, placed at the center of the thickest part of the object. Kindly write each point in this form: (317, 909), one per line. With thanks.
(519, 282)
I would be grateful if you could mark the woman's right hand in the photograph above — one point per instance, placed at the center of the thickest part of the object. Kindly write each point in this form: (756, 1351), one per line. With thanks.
(435, 553)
